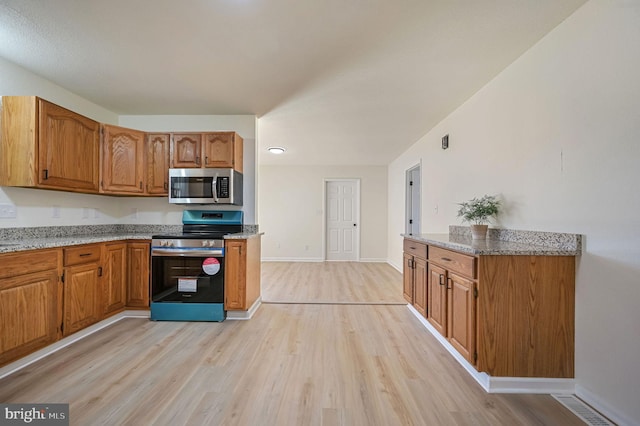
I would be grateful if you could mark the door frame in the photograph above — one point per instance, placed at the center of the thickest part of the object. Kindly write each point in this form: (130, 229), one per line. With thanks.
(324, 214)
(410, 197)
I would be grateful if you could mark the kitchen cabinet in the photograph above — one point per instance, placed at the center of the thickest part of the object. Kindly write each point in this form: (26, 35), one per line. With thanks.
(223, 149)
(122, 161)
(242, 273)
(138, 275)
(82, 290)
(49, 147)
(451, 298)
(508, 315)
(415, 275)
(29, 301)
(186, 150)
(114, 279)
(158, 150)
(213, 149)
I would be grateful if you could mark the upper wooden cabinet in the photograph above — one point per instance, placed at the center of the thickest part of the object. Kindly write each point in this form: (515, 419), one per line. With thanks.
(158, 149)
(122, 161)
(214, 149)
(42, 144)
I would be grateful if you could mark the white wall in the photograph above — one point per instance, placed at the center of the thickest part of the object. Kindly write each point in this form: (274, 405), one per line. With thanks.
(291, 210)
(36, 207)
(557, 135)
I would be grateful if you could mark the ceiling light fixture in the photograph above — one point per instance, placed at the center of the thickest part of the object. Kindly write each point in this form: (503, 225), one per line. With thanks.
(276, 150)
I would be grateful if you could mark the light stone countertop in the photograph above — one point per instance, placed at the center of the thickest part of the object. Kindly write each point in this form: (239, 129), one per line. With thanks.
(17, 239)
(550, 245)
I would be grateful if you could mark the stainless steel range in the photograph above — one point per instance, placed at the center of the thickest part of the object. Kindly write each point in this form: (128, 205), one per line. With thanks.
(187, 270)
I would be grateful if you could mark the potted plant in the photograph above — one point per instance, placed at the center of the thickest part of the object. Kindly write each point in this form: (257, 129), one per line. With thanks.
(477, 212)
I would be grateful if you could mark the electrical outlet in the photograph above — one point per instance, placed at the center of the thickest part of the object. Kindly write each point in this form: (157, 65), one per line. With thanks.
(8, 211)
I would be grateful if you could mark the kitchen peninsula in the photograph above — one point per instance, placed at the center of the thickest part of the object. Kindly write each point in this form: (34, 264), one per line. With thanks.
(505, 305)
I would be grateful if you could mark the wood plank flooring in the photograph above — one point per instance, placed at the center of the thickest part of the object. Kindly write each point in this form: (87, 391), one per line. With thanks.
(291, 364)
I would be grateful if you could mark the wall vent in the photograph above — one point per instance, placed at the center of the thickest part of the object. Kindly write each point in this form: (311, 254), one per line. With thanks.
(582, 410)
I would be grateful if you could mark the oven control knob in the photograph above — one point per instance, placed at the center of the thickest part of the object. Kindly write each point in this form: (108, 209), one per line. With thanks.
(163, 243)
(206, 243)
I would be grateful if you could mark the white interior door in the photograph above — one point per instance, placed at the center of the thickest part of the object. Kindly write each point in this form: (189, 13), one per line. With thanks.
(412, 219)
(342, 212)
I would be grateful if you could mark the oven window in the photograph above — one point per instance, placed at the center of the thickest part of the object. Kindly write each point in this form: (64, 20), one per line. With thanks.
(192, 187)
(187, 279)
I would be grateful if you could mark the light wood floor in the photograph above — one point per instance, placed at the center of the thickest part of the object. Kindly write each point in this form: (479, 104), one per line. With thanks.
(291, 364)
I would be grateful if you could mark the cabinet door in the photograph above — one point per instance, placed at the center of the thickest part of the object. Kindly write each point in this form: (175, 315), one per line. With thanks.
(28, 313)
(437, 298)
(235, 275)
(122, 160)
(68, 149)
(81, 297)
(138, 282)
(407, 277)
(186, 150)
(461, 321)
(420, 286)
(158, 164)
(218, 149)
(114, 280)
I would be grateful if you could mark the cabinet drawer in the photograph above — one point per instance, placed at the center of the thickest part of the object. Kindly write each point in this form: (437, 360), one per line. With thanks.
(81, 254)
(453, 261)
(13, 264)
(415, 248)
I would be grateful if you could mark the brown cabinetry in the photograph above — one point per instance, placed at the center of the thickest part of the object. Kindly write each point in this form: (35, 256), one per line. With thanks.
(509, 315)
(29, 301)
(122, 161)
(158, 148)
(138, 275)
(47, 146)
(242, 273)
(82, 295)
(114, 279)
(213, 149)
(415, 275)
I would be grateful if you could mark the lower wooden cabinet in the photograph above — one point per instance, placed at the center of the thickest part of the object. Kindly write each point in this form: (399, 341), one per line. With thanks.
(415, 275)
(242, 273)
(29, 301)
(508, 315)
(138, 274)
(114, 279)
(82, 289)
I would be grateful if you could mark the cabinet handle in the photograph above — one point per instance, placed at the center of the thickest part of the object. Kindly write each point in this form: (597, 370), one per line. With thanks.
(448, 281)
(100, 271)
(441, 279)
(85, 254)
(206, 160)
(166, 187)
(198, 161)
(45, 173)
(446, 259)
(140, 184)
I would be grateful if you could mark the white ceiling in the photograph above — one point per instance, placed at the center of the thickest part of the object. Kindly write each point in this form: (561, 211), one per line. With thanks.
(341, 82)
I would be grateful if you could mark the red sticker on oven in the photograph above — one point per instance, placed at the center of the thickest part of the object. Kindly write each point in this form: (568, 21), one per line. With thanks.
(211, 266)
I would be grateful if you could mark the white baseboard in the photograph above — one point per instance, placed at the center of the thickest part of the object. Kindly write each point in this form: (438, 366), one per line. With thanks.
(64, 342)
(372, 260)
(603, 407)
(394, 266)
(500, 384)
(245, 315)
(292, 259)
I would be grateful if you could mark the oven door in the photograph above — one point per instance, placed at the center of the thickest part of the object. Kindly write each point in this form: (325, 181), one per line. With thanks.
(197, 277)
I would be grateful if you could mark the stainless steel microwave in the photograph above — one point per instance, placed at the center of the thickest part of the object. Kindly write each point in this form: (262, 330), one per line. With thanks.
(205, 186)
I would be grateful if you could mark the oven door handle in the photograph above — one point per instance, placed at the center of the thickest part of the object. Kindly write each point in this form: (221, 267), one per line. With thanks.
(187, 253)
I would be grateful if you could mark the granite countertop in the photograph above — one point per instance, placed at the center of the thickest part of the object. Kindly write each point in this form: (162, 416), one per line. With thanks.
(542, 244)
(21, 239)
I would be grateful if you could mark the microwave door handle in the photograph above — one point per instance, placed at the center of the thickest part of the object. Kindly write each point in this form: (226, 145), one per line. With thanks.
(214, 187)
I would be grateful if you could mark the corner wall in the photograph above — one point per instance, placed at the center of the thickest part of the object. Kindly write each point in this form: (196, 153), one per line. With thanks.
(556, 135)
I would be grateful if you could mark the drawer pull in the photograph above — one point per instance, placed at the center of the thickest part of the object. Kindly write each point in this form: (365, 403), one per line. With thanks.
(412, 248)
(446, 259)
(85, 254)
